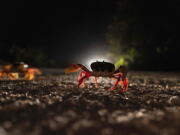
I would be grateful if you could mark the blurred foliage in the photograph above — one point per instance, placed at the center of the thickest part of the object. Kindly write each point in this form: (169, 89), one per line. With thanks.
(144, 34)
(33, 56)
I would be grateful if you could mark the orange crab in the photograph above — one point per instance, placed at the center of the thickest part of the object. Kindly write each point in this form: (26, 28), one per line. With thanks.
(13, 71)
(101, 69)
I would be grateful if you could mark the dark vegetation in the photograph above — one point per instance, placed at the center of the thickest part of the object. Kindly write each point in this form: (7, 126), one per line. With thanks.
(32, 55)
(145, 34)
(53, 105)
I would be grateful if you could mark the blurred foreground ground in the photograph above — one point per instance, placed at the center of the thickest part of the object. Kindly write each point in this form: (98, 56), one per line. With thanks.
(53, 105)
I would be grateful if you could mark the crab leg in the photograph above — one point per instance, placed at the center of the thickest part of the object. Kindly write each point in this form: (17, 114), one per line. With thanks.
(82, 73)
(95, 78)
(116, 83)
(13, 76)
(124, 85)
(81, 80)
(123, 82)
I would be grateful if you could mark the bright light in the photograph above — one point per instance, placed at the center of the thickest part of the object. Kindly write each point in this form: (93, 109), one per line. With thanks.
(95, 52)
(96, 58)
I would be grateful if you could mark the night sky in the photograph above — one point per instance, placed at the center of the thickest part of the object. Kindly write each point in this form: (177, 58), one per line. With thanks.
(75, 31)
(66, 30)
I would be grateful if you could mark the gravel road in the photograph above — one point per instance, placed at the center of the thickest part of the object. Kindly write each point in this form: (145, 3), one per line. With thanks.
(53, 105)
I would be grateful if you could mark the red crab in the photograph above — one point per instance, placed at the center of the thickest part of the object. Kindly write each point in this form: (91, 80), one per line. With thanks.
(101, 69)
(12, 71)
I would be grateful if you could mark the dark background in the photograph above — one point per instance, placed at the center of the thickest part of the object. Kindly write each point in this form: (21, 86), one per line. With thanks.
(58, 33)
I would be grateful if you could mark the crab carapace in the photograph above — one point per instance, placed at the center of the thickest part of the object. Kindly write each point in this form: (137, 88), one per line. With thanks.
(101, 69)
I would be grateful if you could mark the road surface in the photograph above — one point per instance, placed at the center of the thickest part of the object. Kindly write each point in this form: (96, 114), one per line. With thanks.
(53, 105)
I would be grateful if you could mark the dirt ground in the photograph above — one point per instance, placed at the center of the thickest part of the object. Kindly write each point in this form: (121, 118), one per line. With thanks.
(53, 105)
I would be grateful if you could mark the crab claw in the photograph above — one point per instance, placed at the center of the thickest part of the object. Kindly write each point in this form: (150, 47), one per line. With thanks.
(13, 76)
(30, 73)
(1, 74)
(72, 68)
